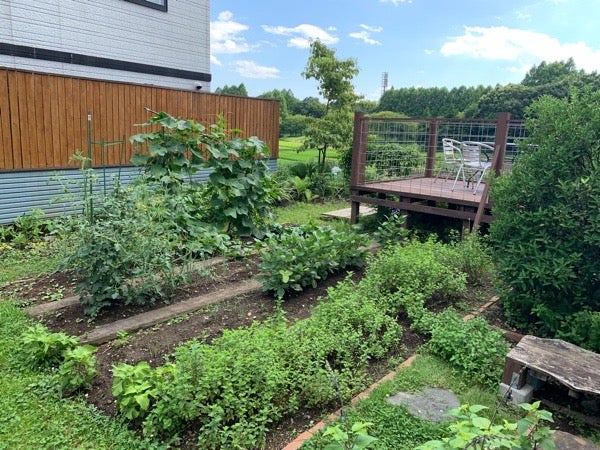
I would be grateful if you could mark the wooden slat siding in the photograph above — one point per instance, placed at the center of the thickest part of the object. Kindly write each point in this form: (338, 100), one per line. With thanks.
(5, 136)
(15, 121)
(43, 118)
(23, 118)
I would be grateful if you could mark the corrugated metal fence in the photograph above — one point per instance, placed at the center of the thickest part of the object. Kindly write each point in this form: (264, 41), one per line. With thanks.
(44, 121)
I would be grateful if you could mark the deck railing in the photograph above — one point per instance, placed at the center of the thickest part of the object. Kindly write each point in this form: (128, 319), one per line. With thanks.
(386, 148)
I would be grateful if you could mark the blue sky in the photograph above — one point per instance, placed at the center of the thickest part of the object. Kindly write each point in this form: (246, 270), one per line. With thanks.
(429, 43)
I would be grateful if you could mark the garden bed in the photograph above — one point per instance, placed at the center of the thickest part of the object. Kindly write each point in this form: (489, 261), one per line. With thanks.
(154, 344)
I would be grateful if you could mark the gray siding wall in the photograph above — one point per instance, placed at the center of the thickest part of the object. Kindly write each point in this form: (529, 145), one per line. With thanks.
(60, 192)
(178, 38)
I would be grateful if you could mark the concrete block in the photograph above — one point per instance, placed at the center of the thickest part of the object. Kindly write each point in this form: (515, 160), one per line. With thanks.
(523, 395)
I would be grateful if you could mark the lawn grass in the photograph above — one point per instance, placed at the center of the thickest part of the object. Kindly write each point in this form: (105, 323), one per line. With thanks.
(39, 258)
(304, 213)
(288, 153)
(33, 417)
(394, 426)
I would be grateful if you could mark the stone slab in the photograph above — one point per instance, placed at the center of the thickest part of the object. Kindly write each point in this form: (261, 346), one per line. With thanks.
(431, 404)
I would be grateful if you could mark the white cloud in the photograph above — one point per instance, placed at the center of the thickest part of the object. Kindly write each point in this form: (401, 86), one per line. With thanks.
(365, 35)
(519, 46)
(302, 35)
(226, 35)
(395, 2)
(250, 69)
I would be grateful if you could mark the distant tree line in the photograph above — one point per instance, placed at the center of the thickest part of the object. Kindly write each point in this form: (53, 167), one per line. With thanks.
(556, 79)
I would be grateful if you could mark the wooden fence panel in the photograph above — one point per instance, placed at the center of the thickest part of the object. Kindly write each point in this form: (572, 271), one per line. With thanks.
(44, 117)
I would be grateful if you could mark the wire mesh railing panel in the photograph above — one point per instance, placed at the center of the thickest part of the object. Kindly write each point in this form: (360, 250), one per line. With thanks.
(409, 153)
(396, 149)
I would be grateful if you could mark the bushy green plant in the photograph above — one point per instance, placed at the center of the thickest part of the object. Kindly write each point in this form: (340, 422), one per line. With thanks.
(232, 389)
(412, 273)
(78, 369)
(44, 348)
(300, 256)
(547, 216)
(470, 255)
(344, 333)
(127, 253)
(471, 346)
(171, 151)
(26, 229)
(392, 230)
(474, 431)
(239, 191)
(582, 328)
(75, 364)
(240, 187)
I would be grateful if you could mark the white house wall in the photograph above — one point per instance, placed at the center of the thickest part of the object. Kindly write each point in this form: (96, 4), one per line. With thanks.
(109, 39)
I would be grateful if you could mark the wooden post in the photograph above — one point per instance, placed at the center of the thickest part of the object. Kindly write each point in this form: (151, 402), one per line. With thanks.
(359, 160)
(497, 162)
(431, 149)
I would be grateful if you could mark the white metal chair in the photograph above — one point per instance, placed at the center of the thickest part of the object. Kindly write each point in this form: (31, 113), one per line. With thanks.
(472, 164)
(452, 156)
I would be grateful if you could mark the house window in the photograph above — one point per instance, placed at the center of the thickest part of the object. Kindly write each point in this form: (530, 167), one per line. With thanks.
(156, 4)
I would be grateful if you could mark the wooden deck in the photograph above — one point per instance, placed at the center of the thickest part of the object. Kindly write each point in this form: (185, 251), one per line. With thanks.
(426, 195)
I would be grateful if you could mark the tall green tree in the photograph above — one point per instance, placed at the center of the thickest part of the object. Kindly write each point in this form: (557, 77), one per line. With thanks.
(545, 73)
(546, 231)
(557, 79)
(233, 90)
(334, 129)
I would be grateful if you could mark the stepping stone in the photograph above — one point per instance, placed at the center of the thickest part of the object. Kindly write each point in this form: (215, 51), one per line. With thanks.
(345, 213)
(431, 404)
(566, 441)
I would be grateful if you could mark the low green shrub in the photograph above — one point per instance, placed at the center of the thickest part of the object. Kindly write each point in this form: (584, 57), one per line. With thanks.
(126, 253)
(470, 255)
(392, 230)
(470, 346)
(583, 329)
(74, 364)
(27, 228)
(300, 256)
(344, 333)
